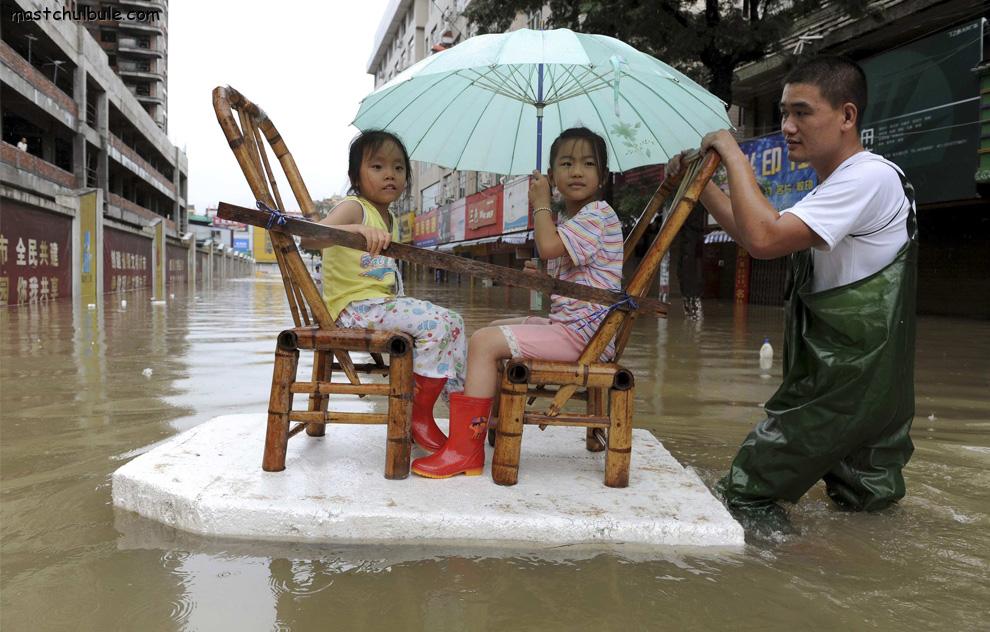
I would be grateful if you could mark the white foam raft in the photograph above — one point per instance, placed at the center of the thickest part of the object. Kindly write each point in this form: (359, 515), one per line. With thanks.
(209, 481)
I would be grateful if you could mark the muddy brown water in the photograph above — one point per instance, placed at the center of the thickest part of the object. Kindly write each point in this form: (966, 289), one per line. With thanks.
(75, 404)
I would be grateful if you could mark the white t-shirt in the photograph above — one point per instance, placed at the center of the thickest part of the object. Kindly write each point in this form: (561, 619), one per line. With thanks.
(860, 212)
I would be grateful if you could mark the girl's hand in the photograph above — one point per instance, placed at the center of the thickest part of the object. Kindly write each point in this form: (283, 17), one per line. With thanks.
(539, 191)
(530, 266)
(376, 238)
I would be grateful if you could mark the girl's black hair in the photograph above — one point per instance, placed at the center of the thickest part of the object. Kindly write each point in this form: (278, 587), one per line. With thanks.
(366, 143)
(597, 145)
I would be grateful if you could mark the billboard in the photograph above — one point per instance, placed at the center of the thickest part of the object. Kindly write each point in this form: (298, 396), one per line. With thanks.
(35, 255)
(484, 213)
(126, 261)
(425, 228)
(515, 205)
(782, 181)
(457, 219)
(263, 251)
(924, 111)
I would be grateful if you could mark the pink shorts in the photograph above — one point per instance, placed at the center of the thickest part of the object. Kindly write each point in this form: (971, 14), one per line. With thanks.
(539, 338)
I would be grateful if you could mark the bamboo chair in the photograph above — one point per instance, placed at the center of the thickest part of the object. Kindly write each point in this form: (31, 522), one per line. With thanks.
(607, 387)
(314, 328)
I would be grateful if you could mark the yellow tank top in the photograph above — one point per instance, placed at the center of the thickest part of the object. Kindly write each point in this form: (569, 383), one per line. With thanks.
(350, 275)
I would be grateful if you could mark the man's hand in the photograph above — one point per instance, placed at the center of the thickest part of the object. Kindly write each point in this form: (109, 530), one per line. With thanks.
(376, 238)
(721, 141)
(676, 162)
(539, 191)
(530, 266)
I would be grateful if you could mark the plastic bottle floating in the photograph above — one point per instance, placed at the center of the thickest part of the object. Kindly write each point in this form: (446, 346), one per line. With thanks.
(766, 358)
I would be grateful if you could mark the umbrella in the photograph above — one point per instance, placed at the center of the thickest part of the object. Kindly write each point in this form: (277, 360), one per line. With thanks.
(494, 102)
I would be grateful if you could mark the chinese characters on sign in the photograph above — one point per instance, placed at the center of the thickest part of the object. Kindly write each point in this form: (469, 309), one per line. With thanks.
(782, 181)
(35, 263)
(126, 261)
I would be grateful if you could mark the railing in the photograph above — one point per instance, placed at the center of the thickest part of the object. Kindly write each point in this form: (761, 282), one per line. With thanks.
(33, 76)
(24, 161)
(126, 150)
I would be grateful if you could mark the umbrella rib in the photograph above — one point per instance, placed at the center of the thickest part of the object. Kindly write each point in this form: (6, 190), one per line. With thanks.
(525, 87)
(608, 139)
(422, 91)
(652, 133)
(476, 122)
(484, 82)
(439, 116)
(512, 157)
(691, 93)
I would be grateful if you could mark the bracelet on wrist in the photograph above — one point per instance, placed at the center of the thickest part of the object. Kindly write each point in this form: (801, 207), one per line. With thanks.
(542, 208)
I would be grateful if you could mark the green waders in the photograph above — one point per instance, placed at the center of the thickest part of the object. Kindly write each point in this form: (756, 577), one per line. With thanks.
(846, 404)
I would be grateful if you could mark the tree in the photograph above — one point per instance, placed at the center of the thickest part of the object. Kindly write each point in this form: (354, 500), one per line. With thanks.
(708, 43)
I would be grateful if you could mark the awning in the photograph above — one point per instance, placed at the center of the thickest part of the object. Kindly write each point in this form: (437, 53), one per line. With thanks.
(718, 237)
(465, 244)
(517, 238)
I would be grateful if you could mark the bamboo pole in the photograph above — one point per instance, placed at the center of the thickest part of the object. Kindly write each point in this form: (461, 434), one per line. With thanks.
(553, 372)
(619, 438)
(279, 408)
(337, 417)
(696, 177)
(508, 435)
(294, 274)
(586, 421)
(399, 446)
(668, 186)
(318, 400)
(596, 407)
(370, 369)
(364, 340)
(462, 265)
(323, 388)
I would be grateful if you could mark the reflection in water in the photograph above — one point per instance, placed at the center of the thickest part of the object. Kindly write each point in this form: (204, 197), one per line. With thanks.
(75, 404)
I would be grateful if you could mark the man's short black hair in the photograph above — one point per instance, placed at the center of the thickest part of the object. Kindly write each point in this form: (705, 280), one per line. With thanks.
(839, 79)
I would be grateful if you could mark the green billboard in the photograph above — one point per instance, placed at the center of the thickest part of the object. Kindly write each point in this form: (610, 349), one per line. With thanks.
(924, 111)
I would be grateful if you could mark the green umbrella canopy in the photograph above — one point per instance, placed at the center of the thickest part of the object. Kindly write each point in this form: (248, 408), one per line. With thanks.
(476, 106)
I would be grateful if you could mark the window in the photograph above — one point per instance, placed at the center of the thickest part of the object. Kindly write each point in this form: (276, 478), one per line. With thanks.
(108, 36)
(112, 60)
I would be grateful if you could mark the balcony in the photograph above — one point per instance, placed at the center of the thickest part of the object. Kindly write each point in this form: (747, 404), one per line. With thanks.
(142, 47)
(12, 59)
(123, 204)
(155, 28)
(11, 155)
(139, 165)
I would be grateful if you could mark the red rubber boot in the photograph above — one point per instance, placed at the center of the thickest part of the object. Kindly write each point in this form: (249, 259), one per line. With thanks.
(424, 427)
(464, 452)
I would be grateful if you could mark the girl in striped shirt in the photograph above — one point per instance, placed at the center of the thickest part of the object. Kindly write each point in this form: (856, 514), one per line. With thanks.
(583, 247)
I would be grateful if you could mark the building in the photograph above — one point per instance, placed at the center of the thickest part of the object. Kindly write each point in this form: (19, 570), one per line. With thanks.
(411, 30)
(923, 60)
(85, 132)
(134, 35)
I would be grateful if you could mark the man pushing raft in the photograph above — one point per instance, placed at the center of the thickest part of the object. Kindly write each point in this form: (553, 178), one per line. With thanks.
(844, 409)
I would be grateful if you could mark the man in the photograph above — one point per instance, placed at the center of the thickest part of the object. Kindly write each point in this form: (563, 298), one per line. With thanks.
(846, 403)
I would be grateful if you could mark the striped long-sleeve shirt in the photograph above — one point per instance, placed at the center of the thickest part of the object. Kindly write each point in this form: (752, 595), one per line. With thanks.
(593, 239)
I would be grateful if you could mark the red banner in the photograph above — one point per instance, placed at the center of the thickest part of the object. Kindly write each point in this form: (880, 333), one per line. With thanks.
(35, 255)
(741, 291)
(426, 227)
(177, 264)
(126, 261)
(484, 213)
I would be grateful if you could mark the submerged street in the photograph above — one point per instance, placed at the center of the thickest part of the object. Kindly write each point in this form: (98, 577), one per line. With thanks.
(84, 391)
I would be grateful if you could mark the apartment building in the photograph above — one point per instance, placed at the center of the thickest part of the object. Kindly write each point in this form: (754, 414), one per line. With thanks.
(71, 125)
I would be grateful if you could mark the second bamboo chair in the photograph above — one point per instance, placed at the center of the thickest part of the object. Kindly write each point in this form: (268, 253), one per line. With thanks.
(314, 329)
(607, 387)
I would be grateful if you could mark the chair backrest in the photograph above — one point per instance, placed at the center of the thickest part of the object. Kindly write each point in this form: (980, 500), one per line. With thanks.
(305, 300)
(617, 324)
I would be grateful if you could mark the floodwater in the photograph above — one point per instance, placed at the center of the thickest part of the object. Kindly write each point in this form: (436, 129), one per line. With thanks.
(76, 404)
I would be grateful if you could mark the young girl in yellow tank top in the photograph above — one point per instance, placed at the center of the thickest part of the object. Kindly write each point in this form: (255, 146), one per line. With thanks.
(364, 289)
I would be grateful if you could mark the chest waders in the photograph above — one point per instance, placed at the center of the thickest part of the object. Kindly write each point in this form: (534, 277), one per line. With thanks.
(845, 407)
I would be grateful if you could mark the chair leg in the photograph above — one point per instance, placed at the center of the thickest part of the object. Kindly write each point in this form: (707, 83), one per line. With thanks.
(508, 436)
(619, 438)
(397, 450)
(279, 405)
(493, 419)
(322, 370)
(596, 406)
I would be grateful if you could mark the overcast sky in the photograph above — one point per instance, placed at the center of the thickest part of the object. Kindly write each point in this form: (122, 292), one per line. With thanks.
(304, 63)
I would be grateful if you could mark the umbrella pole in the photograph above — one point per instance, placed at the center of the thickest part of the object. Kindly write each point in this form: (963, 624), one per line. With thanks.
(539, 119)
